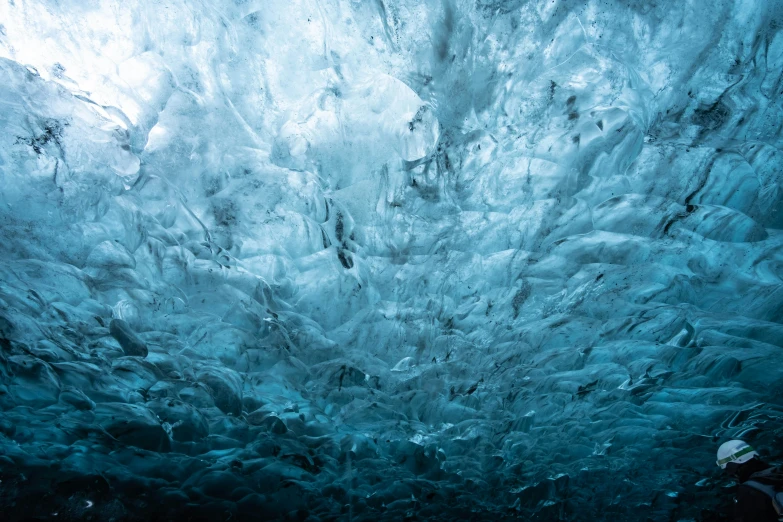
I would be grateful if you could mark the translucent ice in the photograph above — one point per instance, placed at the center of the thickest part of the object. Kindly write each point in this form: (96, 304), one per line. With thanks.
(342, 260)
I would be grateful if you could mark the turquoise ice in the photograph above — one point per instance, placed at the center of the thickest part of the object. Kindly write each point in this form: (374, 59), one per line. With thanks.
(369, 260)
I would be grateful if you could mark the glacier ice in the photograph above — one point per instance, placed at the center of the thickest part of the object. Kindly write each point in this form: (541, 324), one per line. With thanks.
(387, 260)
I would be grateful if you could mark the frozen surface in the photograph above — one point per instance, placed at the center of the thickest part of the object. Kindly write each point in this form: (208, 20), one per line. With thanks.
(369, 260)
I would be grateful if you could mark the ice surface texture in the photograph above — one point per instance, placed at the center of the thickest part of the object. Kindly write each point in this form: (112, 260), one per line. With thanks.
(386, 260)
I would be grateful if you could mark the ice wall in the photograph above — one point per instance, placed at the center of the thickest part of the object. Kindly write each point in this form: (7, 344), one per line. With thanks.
(368, 260)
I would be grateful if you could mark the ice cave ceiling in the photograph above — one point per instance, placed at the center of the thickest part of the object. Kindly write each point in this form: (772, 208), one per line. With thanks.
(387, 260)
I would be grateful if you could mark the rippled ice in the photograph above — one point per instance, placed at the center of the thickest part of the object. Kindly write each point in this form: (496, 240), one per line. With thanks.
(367, 260)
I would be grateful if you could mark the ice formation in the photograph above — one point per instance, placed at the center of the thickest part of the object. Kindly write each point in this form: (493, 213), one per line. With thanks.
(387, 259)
